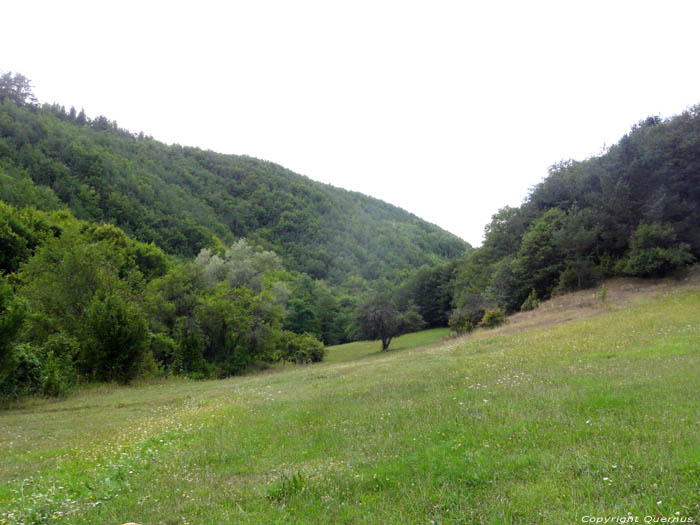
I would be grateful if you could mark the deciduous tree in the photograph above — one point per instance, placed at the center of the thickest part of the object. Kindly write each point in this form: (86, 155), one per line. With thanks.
(378, 318)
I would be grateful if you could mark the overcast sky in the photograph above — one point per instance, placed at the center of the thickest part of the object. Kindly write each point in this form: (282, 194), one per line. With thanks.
(449, 110)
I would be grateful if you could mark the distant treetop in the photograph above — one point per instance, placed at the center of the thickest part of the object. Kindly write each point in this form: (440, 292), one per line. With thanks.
(16, 88)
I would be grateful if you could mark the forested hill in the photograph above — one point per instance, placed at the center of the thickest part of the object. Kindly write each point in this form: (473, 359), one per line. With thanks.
(184, 199)
(633, 211)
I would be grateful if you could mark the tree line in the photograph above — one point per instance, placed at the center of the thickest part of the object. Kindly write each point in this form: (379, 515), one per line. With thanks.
(632, 211)
(123, 257)
(84, 302)
(185, 199)
(120, 256)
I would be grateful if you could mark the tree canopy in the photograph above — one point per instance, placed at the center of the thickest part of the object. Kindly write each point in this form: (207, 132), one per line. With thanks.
(378, 318)
(122, 256)
(16, 88)
(185, 199)
(631, 211)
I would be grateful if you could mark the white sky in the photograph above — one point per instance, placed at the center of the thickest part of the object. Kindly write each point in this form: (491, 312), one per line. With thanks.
(449, 110)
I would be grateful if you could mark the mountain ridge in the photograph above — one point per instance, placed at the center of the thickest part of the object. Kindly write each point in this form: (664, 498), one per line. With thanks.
(186, 198)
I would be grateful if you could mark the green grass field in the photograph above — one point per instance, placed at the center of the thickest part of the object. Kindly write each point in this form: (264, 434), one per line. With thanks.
(596, 416)
(360, 349)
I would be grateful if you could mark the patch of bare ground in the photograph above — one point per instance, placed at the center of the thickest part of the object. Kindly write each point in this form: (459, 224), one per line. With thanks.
(620, 292)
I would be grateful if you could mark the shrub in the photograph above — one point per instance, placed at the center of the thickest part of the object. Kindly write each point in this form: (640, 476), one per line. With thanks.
(22, 373)
(235, 364)
(603, 294)
(411, 320)
(460, 322)
(531, 302)
(607, 266)
(116, 341)
(577, 276)
(469, 313)
(303, 348)
(189, 345)
(55, 383)
(59, 374)
(492, 318)
(12, 316)
(654, 251)
(163, 349)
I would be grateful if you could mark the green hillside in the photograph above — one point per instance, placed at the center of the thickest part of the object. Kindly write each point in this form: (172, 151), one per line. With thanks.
(184, 199)
(122, 257)
(632, 211)
(594, 415)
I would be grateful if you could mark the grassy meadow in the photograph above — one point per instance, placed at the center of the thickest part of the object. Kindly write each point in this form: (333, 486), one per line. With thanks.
(362, 349)
(585, 410)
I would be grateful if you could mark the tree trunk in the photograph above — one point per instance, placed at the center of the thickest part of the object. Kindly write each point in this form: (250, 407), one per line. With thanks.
(386, 341)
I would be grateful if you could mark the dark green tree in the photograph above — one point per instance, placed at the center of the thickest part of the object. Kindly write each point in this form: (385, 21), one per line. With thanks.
(378, 318)
(330, 316)
(301, 317)
(64, 275)
(654, 251)
(116, 337)
(539, 260)
(430, 288)
(16, 88)
(503, 234)
(12, 315)
(81, 119)
(577, 240)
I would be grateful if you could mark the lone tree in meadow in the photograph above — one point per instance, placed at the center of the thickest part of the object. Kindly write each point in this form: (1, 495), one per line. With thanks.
(378, 318)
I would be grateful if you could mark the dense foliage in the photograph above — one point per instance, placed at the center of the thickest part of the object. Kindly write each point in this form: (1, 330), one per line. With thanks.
(84, 302)
(185, 199)
(122, 256)
(632, 211)
(378, 318)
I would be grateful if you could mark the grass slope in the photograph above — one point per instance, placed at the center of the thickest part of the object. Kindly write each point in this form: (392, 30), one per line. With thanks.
(592, 416)
(360, 349)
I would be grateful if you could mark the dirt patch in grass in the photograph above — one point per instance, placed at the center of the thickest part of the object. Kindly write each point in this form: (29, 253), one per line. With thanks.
(620, 293)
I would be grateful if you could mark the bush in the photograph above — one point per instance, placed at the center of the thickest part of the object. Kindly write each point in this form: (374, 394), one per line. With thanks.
(303, 348)
(654, 252)
(189, 345)
(531, 302)
(577, 276)
(163, 349)
(607, 266)
(411, 320)
(603, 294)
(235, 364)
(116, 341)
(22, 373)
(469, 313)
(460, 322)
(12, 316)
(59, 374)
(55, 382)
(492, 318)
